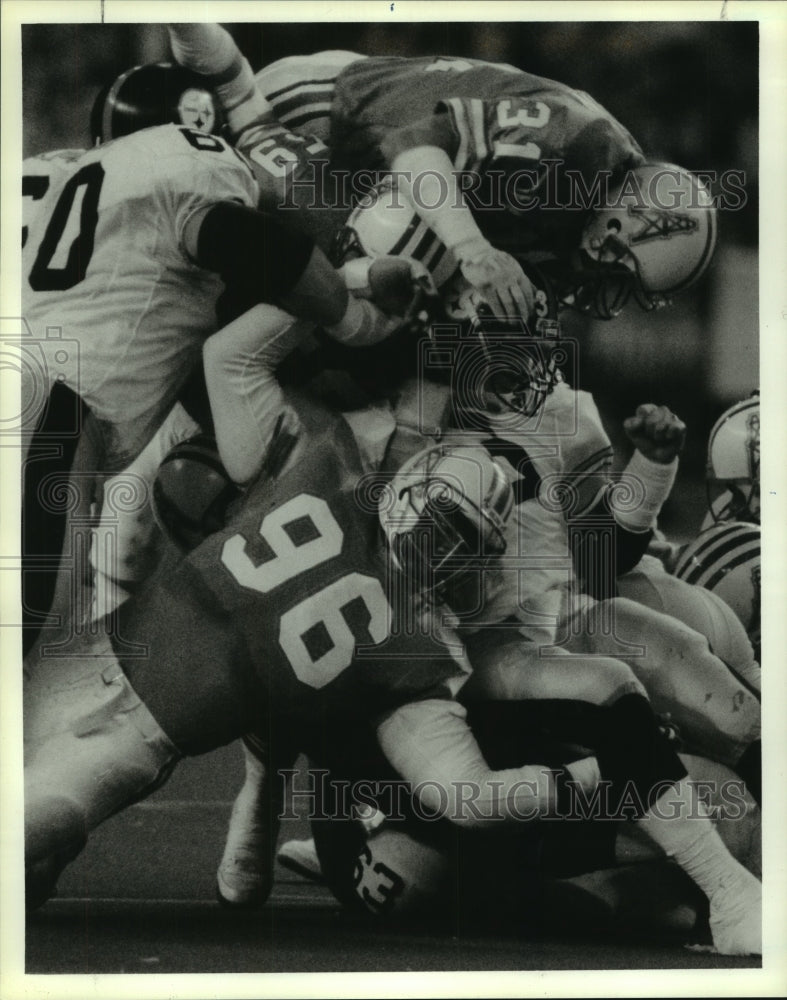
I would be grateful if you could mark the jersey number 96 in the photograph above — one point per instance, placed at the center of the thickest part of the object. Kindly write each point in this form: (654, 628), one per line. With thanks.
(316, 634)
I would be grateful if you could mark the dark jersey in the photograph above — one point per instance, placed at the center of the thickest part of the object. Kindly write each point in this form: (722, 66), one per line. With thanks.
(289, 613)
(517, 133)
(294, 179)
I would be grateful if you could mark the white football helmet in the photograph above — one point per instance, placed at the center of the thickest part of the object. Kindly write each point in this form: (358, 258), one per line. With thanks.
(733, 467)
(444, 515)
(725, 559)
(384, 223)
(503, 360)
(654, 235)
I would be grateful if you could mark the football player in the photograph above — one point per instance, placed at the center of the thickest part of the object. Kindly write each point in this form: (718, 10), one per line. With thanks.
(493, 156)
(451, 546)
(560, 458)
(553, 877)
(724, 559)
(557, 443)
(289, 623)
(571, 518)
(159, 225)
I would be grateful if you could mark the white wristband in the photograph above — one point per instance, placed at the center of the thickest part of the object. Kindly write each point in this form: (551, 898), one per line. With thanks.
(644, 486)
(355, 275)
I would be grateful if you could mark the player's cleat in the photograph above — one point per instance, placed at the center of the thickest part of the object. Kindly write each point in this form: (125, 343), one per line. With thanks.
(736, 917)
(245, 875)
(300, 856)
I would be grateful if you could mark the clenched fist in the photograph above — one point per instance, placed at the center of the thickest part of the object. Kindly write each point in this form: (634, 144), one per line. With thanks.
(656, 432)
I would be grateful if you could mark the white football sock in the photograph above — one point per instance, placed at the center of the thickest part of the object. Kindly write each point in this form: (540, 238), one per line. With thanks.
(678, 822)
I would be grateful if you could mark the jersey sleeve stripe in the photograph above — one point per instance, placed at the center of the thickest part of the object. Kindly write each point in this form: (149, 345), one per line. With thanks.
(327, 86)
(304, 111)
(309, 120)
(477, 119)
(456, 107)
(307, 102)
(596, 461)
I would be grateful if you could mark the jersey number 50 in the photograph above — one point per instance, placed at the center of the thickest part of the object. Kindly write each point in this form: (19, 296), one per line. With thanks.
(316, 635)
(65, 251)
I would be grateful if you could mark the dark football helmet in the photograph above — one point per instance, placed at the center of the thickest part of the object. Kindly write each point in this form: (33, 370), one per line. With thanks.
(192, 492)
(153, 94)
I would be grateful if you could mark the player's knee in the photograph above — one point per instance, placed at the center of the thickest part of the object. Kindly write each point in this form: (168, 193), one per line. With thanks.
(111, 754)
(54, 824)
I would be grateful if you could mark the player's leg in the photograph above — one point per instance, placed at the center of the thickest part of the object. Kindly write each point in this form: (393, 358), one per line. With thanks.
(647, 784)
(300, 88)
(719, 716)
(127, 720)
(76, 495)
(92, 747)
(210, 50)
(126, 543)
(245, 874)
(644, 891)
(698, 608)
(48, 450)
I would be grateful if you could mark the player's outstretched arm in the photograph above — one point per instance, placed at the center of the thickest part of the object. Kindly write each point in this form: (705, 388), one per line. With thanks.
(210, 50)
(247, 403)
(432, 747)
(658, 436)
(428, 179)
(634, 501)
(265, 260)
(285, 279)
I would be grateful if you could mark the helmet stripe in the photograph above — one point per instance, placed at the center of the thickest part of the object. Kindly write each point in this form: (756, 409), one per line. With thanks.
(719, 542)
(110, 104)
(697, 571)
(752, 553)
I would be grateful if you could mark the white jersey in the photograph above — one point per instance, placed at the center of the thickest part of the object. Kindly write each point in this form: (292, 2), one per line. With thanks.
(117, 308)
(558, 462)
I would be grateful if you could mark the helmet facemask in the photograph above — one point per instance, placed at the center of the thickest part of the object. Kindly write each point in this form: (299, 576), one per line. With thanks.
(599, 288)
(652, 236)
(442, 540)
(733, 468)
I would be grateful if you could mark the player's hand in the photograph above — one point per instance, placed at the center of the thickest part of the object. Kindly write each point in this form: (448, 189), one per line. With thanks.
(498, 278)
(656, 432)
(395, 281)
